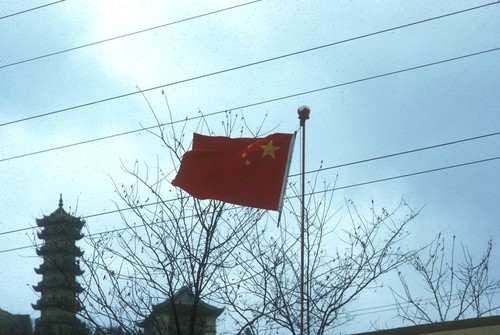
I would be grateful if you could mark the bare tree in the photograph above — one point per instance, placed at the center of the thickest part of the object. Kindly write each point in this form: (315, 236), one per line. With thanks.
(454, 289)
(238, 257)
(342, 260)
(168, 240)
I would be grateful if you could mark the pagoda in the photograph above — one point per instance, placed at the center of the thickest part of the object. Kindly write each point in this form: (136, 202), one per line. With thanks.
(58, 289)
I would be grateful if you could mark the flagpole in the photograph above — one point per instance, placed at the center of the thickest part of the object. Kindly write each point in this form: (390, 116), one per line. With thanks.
(303, 112)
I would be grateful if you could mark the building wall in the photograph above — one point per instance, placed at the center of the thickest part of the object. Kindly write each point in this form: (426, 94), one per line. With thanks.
(489, 325)
(12, 324)
(164, 325)
(488, 330)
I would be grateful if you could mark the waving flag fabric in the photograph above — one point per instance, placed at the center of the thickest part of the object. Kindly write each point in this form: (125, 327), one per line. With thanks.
(243, 171)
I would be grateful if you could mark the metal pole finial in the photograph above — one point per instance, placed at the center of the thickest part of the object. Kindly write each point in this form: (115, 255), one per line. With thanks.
(304, 113)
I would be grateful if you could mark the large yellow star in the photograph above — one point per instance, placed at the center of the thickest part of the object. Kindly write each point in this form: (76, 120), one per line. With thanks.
(269, 149)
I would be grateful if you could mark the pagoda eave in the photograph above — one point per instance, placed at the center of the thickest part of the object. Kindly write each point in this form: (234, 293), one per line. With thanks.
(65, 305)
(58, 249)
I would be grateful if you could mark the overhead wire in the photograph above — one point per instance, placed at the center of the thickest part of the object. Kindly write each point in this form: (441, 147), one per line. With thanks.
(126, 35)
(275, 99)
(233, 7)
(394, 306)
(335, 166)
(311, 171)
(354, 312)
(219, 11)
(333, 189)
(244, 106)
(371, 159)
(413, 174)
(302, 93)
(30, 9)
(270, 59)
(401, 153)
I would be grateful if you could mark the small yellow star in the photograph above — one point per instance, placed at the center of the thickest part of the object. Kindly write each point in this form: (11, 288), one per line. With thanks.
(269, 150)
(248, 163)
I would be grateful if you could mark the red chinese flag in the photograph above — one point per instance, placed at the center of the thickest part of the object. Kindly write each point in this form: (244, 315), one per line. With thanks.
(243, 171)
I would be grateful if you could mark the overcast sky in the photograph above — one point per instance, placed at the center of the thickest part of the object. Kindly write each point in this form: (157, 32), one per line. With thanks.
(373, 91)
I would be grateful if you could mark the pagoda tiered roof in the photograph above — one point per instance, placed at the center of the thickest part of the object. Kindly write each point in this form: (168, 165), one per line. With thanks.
(70, 267)
(58, 217)
(67, 232)
(66, 304)
(59, 248)
(58, 283)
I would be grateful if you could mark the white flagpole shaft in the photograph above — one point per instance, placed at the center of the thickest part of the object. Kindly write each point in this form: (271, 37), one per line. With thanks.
(303, 116)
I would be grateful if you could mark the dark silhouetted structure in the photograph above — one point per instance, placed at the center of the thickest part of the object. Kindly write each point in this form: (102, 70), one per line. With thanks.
(58, 303)
(489, 325)
(163, 318)
(14, 324)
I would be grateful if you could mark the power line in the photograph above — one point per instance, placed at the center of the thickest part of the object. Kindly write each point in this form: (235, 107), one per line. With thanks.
(311, 193)
(233, 7)
(76, 144)
(391, 307)
(414, 173)
(222, 111)
(126, 35)
(317, 170)
(401, 153)
(295, 53)
(30, 9)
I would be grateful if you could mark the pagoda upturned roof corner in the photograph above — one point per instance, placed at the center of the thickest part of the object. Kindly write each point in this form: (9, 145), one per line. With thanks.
(60, 216)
